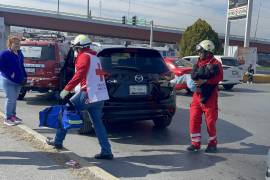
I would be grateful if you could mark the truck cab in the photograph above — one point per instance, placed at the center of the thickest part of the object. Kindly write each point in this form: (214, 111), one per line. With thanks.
(43, 61)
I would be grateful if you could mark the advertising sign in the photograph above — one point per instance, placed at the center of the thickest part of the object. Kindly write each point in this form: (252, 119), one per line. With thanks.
(248, 56)
(237, 9)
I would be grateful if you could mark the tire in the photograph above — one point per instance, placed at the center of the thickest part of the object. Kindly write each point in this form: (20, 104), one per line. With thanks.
(162, 122)
(22, 94)
(228, 86)
(87, 124)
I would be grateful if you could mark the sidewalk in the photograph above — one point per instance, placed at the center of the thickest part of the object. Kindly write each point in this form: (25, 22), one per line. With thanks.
(20, 161)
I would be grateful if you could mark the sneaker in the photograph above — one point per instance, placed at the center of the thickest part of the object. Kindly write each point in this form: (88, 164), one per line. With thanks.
(211, 149)
(16, 119)
(50, 141)
(104, 156)
(9, 122)
(193, 148)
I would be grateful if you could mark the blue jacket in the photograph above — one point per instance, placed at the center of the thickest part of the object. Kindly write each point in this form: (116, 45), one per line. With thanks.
(11, 63)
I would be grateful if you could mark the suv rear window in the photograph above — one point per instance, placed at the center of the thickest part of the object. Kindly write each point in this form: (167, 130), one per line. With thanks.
(142, 60)
(229, 62)
(38, 52)
(182, 63)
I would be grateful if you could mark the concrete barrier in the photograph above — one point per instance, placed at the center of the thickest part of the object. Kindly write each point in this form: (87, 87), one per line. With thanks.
(259, 78)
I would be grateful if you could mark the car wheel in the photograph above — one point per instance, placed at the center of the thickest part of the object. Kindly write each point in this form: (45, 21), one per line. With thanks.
(87, 124)
(22, 94)
(162, 122)
(228, 86)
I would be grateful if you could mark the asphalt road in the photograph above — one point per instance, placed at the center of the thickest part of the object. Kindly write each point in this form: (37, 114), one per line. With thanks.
(142, 152)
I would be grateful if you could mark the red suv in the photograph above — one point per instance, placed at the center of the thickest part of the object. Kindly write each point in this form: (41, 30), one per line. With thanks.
(43, 61)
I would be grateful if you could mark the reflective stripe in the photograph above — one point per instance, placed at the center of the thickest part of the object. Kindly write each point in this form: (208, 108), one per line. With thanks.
(195, 135)
(212, 138)
(196, 140)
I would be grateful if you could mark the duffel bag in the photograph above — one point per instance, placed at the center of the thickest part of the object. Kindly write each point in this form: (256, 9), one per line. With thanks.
(61, 116)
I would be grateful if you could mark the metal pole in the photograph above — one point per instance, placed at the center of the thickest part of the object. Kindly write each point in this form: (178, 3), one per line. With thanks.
(128, 8)
(248, 23)
(257, 20)
(151, 32)
(58, 3)
(88, 14)
(100, 6)
(227, 33)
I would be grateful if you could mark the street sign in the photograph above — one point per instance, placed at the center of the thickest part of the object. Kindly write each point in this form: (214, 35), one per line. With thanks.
(237, 9)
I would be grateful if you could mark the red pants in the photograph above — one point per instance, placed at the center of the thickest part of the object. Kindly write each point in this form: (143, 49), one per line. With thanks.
(210, 110)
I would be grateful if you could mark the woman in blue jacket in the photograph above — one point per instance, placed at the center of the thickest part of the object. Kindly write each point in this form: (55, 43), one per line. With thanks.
(14, 76)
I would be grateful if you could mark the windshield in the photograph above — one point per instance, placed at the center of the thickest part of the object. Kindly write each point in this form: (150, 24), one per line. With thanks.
(142, 60)
(230, 61)
(38, 52)
(182, 63)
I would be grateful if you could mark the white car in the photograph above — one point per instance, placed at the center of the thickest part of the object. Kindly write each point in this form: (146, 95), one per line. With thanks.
(232, 71)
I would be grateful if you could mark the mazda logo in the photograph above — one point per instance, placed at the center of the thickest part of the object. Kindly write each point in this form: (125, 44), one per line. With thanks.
(138, 78)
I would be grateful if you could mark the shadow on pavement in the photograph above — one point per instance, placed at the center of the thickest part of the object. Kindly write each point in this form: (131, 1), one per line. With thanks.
(30, 158)
(177, 133)
(163, 160)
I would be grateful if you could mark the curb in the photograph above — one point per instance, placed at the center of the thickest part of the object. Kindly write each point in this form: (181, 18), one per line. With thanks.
(259, 78)
(88, 170)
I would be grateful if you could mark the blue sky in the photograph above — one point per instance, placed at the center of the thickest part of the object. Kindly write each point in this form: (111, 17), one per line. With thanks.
(174, 13)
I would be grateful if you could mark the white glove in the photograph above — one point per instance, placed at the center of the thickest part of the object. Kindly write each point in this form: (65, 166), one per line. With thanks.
(63, 94)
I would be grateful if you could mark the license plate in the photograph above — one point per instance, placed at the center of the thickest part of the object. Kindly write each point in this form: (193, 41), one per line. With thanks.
(235, 73)
(30, 70)
(137, 90)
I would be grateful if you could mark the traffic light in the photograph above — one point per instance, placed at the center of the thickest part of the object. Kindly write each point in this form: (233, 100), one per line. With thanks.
(134, 20)
(124, 20)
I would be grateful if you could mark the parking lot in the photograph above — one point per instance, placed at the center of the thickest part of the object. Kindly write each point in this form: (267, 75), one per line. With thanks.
(142, 152)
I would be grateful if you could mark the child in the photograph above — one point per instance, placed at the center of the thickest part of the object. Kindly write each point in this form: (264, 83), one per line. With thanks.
(204, 73)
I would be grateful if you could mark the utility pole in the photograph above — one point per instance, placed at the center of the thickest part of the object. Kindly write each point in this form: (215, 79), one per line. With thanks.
(151, 32)
(258, 19)
(88, 9)
(248, 23)
(100, 6)
(227, 33)
(58, 3)
(128, 8)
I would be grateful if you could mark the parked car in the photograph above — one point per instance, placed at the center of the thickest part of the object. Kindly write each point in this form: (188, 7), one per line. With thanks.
(43, 63)
(232, 70)
(138, 83)
(179, 67)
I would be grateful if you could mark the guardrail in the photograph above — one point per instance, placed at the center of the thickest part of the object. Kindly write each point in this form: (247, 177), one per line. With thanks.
(105, 19)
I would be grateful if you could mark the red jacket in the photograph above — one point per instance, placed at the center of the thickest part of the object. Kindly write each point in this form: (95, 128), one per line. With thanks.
(82, 64)
(212, 60)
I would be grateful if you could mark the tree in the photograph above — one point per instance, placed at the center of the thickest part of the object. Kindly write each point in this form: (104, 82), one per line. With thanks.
(196, 33)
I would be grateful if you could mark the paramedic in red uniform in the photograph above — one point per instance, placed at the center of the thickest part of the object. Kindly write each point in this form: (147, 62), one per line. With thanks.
(210, 108)
(91, 96)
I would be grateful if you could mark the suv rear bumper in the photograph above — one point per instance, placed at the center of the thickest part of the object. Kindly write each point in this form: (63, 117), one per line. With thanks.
(135, 111)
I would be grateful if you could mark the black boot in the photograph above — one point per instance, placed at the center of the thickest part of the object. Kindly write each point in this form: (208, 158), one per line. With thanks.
(211, 149)
(193, 148)
(104, 156)
(50, 141)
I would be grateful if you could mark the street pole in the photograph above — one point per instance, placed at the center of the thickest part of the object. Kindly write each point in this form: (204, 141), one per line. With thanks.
(128, 8)
(248, 23)
(151, 32)
(258, 18)
(227, 33)
(100, 6)
(58, 3)
(88, 9)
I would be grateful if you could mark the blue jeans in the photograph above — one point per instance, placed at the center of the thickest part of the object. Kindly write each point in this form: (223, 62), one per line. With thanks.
(12, 91)
(95, 110)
